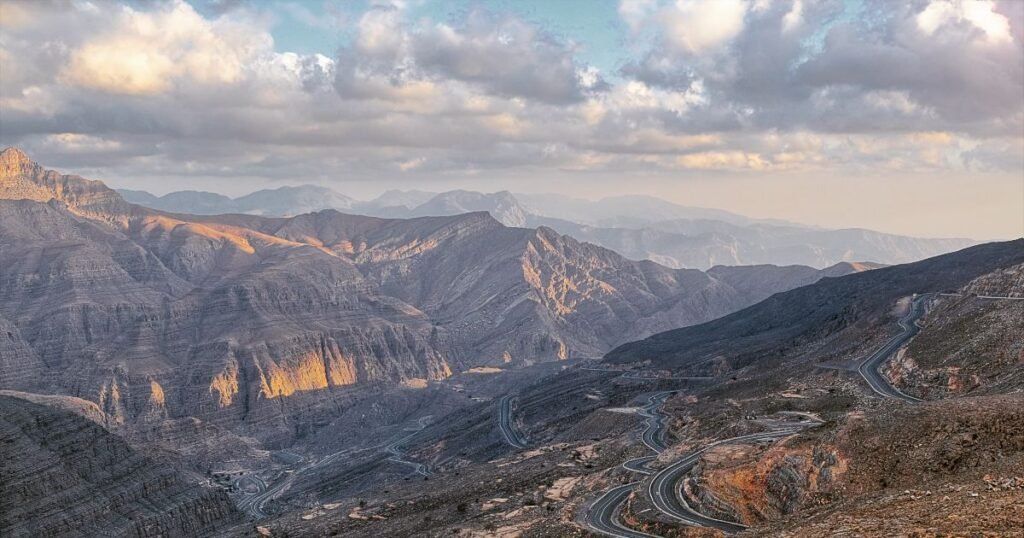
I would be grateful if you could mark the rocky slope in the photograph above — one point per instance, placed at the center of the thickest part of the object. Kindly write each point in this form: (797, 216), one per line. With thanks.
(250, 322)
(64, 475)
(816, 311)
(968, 345)
(862, 465)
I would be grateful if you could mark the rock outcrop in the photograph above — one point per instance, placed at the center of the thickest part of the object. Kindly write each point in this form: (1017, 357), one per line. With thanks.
(64, 475)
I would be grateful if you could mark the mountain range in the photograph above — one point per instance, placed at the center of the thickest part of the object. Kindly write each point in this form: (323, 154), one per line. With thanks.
(160, 315)
(637, 227)
(328, 373)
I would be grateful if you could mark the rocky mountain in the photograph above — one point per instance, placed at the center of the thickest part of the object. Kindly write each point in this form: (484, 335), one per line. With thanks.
(282, 201)
(248, 320)
(781, 435)
(825, 307)
(503, 206)
(637, 227)
(64, 475)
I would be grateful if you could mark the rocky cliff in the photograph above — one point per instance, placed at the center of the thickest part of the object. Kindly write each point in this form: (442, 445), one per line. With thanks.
(64, 475)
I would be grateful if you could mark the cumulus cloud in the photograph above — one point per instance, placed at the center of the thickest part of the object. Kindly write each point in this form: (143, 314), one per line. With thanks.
(144, 53)
(502, 56)
(697, 26)
(165, 90)
(944, 64)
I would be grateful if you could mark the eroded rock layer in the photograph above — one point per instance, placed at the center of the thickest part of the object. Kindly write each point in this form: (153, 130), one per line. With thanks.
(64, 475)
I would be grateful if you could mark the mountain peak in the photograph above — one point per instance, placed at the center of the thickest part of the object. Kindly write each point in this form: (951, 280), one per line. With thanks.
(13, 158)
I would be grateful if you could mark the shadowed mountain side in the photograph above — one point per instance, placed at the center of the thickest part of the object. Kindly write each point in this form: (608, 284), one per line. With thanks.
(814, 311)
(70, 477)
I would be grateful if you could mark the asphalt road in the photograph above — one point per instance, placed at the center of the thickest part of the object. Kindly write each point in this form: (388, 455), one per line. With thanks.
(256, 503)
(395, 453)
(654, 434)
(869, 368)
(603, 516)
(662, 488)
(512, 437)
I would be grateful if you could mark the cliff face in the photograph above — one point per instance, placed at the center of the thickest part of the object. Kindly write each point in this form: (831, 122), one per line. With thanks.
(70, 477)
(244, 321)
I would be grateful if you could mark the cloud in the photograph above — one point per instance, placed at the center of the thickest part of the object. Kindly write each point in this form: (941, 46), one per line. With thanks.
(941, 65)
(981, 14)
(161, 90)
(696, 26)
(503, 56)
(147, 52)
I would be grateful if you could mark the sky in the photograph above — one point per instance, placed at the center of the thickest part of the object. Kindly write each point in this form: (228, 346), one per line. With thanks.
(899, 116)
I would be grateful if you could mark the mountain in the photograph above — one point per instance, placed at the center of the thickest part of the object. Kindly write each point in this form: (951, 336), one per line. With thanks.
(249, 321)
(639, 208)
(637, 227)
(969, 346)
(282, 201)
(501, 205)
(811, 312)
(705, 243)
(67, 476)
(397, 198)
(781, 435)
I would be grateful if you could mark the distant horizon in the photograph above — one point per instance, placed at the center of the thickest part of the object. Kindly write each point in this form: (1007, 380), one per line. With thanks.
(781, 221)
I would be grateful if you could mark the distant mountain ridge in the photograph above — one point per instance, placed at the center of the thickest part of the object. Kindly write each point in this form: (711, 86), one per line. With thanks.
(638, 227)
(282, 201)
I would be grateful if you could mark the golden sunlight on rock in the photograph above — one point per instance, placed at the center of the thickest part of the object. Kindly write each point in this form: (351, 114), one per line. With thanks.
(415, 383)
(225, 384)
(310, 372)
(156, 394)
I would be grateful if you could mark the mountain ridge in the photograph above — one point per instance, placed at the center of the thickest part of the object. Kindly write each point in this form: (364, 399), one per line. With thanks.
(634, 226)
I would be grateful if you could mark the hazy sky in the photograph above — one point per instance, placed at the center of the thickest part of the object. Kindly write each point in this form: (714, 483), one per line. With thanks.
(898, 116)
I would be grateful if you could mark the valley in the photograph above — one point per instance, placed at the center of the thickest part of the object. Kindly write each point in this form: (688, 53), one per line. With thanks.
(336, 374)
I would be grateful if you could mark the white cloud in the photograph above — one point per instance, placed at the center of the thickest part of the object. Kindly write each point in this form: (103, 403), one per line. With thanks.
(148, 52)
(636, 12)
(980, 13)
(794, 17)
(698, 26)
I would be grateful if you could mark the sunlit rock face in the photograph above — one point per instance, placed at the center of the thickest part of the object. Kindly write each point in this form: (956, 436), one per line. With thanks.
(244, 320)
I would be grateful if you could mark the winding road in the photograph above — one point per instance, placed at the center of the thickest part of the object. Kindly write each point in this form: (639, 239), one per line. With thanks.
(869, 368)
(663, 491)
(603, 515)
(512, 437)
(396, 455)
(255, 504)
(654, 434)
